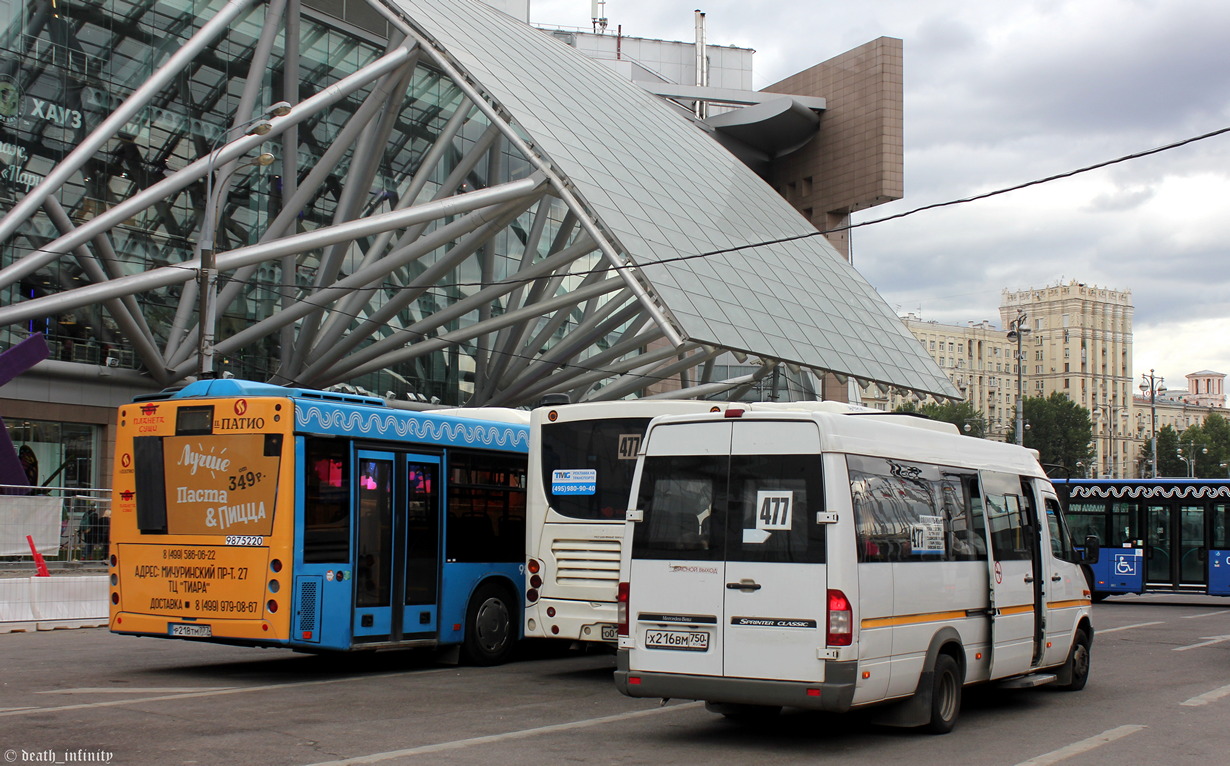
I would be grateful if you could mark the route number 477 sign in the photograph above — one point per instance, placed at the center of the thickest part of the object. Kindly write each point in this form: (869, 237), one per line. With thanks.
(774, 509)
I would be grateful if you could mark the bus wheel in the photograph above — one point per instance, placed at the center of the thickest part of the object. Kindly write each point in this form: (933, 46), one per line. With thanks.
(945, 695)
(1079, 659)
(489, 627)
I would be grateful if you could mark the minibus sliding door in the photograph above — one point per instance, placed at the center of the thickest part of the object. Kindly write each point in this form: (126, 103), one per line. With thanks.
(1012, 536)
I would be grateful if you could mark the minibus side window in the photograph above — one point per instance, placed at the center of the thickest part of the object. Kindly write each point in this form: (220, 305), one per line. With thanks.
(1061, 542)
(678, 496)
(1009, 519)
(964, 515)
(913, 512)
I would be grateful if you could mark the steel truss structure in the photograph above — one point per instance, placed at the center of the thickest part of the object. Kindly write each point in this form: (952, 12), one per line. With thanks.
(414, 236)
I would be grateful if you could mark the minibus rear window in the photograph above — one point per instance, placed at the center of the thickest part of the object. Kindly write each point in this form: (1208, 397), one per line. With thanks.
(735, 508)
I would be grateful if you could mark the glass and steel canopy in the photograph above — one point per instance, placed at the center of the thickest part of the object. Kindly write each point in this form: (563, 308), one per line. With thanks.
(467, 210)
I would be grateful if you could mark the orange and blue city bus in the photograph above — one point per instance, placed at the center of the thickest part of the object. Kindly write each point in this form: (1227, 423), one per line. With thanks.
(253, 514)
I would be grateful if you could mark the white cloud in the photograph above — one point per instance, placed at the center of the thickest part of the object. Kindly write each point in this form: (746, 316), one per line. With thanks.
(1001, 93)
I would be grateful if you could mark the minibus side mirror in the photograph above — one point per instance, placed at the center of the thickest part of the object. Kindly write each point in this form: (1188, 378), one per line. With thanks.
(1093, 549)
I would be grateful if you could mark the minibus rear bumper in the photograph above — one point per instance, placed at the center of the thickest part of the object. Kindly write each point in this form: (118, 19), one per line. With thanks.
(834, 695)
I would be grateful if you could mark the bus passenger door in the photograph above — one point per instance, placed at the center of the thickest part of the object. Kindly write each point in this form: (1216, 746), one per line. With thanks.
(373, 536)
(421, 538)
(1219, 550)
(397, 541)
(1012, 532)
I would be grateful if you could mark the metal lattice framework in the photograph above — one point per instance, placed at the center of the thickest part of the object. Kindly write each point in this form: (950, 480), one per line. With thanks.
(412, 234)
(569, 314)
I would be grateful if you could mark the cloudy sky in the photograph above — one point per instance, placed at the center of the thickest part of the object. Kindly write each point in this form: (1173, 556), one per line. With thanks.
(997, 94)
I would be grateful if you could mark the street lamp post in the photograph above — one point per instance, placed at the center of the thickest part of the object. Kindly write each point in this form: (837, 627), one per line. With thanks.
(1017, 331)
(1111, 432)
(208, 287)
(1151, 386)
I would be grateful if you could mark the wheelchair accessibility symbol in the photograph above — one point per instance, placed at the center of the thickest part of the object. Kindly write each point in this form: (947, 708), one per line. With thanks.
(1125, 565)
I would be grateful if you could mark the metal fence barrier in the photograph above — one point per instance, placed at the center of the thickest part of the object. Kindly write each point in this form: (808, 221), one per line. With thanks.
(65, 524)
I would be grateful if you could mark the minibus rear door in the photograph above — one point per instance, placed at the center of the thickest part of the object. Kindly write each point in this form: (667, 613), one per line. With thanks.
(775, 583)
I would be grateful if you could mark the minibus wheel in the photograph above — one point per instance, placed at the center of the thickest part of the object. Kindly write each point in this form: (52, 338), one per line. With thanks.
(1079, 661)
(489, 626)
(945, 695)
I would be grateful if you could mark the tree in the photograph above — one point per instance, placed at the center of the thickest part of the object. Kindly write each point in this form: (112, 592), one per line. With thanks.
(961, 414)
(1168, 462)
(1061, 431)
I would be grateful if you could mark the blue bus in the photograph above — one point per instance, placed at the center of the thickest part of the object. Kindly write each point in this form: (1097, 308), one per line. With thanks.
(253, 514)
(1157, 535)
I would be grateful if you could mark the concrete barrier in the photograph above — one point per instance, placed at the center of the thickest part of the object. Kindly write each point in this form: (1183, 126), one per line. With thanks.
(45, 603)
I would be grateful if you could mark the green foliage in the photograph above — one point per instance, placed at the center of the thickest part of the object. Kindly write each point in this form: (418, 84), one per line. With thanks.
(1061, 431)
(1168, 462)
(961, 414)
(1201, 449)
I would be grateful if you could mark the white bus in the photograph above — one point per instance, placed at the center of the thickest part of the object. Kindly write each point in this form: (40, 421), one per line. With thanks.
(835, 561)
(581, 462)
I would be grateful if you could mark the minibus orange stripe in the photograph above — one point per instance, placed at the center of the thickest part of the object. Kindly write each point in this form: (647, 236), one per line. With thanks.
(1067, 604)
(914, 619)
(1018, 609)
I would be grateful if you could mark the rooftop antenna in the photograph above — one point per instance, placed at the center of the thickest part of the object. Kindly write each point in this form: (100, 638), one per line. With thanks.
(702, 63)
(598, 16)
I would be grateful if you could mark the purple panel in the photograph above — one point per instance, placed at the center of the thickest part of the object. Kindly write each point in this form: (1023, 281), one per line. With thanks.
(14, 362)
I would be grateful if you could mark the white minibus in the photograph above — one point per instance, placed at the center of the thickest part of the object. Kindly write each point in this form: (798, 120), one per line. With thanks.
(834, 561)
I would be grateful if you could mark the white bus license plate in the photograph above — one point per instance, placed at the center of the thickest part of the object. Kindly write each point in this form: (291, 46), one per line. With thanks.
(610, 632)
(687, 641)
(192, 631)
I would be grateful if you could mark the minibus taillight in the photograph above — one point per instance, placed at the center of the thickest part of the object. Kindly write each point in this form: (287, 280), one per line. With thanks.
(841, 620)
(734, 412)
(621, 604)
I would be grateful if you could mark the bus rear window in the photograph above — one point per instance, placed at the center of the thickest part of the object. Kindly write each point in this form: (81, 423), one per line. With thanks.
(607, 447)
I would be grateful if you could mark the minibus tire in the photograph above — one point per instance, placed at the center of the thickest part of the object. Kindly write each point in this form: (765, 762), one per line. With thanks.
(743, 713)
(1077, 667)
(945, 695)
(489, 626)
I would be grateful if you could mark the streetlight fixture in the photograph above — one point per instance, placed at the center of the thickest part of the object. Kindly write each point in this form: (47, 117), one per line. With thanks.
(1017, 331)
(1191, 460)
(1151, 386)
(208, 288)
